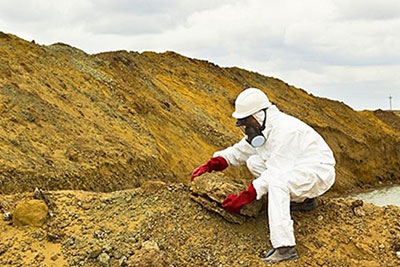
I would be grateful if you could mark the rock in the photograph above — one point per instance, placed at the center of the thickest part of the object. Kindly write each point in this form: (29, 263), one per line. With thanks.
(95, 253)
(75, 261)
(38, 235)
(359, 211)
(39, 257)
(31, 212)
(152, 186)
(210, 190)
(117, 255)
(54, 257)
(72, 241)
(148, 257)
(104, 259)
(99, 234)
(53, 236)
(149, 245)
(3, 248)
(107, 247)
(357, 203)
(122, 261)
(7, 216)
(398, 254)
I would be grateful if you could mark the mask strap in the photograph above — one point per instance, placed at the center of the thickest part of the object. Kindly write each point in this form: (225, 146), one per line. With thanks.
(265, 119)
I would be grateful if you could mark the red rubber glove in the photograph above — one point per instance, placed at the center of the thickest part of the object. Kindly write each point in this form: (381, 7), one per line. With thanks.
(213, 164)
(234, 203)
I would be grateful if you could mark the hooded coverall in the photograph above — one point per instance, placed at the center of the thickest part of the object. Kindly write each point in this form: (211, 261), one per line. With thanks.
(293, 164)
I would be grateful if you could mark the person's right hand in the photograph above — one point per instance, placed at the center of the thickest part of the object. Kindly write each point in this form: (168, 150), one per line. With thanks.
(213, 164)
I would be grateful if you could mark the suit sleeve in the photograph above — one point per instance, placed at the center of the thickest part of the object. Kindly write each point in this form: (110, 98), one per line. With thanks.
(237, 154)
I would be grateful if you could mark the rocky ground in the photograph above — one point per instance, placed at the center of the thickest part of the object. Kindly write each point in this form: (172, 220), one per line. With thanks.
(160, 225)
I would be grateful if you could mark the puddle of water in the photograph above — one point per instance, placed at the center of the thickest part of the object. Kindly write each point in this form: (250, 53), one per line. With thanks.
(382, 197)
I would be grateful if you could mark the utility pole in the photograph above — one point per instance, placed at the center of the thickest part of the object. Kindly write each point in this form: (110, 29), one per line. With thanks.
(390, 101)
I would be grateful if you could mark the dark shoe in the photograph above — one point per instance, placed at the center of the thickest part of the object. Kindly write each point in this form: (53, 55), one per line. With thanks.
(281, 254)
(306, 205)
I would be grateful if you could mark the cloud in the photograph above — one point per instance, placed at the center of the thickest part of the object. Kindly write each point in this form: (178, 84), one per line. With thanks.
(101, 17)
(368, 9)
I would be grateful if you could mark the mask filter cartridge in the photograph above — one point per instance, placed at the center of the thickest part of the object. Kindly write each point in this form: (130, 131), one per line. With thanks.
(257, 141)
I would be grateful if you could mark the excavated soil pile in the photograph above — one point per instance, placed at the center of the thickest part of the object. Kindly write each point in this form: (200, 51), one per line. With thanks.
(140, 123)
(159, 225)
(113, 120)
(391, 118)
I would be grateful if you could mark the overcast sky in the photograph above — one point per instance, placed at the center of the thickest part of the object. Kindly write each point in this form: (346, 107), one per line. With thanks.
(347, 50)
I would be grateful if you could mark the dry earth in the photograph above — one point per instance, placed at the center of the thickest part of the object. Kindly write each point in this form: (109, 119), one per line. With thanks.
(159, 225)
(112, 139)
(113, 120)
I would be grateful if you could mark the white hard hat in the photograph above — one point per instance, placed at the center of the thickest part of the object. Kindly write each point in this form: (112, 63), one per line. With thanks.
(250, 101)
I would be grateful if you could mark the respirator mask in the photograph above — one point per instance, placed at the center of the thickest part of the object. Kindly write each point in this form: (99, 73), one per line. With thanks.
(252, 129)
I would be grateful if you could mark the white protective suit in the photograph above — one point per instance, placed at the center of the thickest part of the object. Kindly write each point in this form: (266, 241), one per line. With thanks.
(294, 163)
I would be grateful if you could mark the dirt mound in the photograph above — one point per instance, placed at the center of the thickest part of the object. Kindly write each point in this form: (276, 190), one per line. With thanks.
(111, 121)
(122, 119)
(389, 117)
(159, 224)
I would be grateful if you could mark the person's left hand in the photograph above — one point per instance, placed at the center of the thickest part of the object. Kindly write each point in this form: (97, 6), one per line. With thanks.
(234, 203)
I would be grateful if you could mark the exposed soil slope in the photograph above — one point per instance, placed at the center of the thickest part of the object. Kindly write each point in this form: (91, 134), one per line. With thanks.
(121, 120)
(391, 118)
(111, 121)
